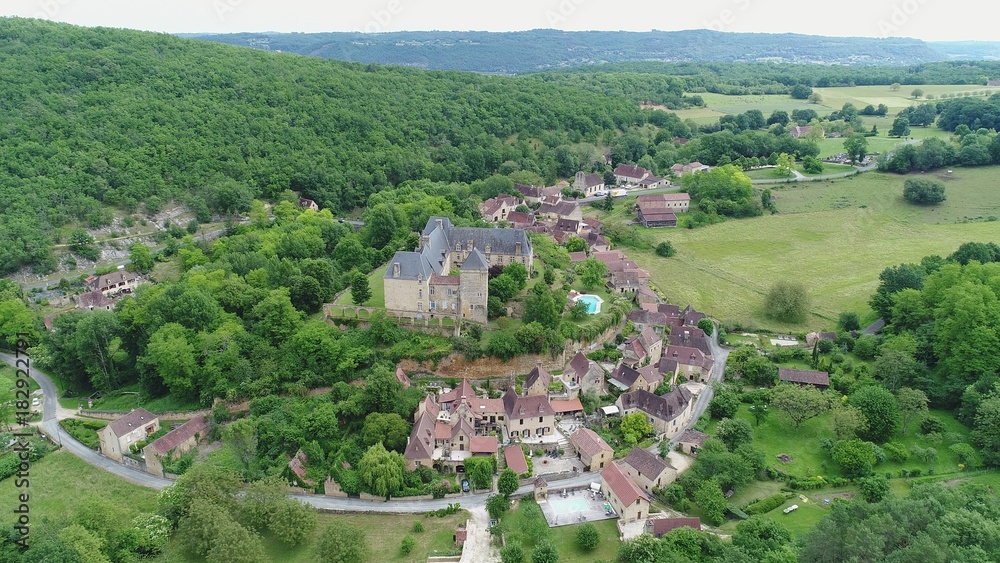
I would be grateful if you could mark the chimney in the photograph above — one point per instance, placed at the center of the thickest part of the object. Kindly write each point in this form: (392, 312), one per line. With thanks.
(395, 269)
(468, 245)
(439, 222)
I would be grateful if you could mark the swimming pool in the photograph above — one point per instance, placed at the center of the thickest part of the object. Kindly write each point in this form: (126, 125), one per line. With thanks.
(593, 303)
(562, 506)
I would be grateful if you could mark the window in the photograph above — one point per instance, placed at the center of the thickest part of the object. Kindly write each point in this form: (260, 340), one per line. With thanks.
(432, 290)
(420, 294)
(539, 419)
(433, 305)
(420, 306)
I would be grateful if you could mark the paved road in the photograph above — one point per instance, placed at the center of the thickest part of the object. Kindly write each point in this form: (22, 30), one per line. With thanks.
(50, 425)
(719, 355)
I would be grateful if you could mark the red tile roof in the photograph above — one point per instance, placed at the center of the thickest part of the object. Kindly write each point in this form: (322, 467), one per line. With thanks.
(623, 487)
(566, 405)
(483, 445)
(444, 280)
(661, 526)
(515, 459)
(184, 432)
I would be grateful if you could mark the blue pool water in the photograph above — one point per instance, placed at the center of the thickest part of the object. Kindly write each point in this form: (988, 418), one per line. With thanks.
(593, 303)
(568, 505)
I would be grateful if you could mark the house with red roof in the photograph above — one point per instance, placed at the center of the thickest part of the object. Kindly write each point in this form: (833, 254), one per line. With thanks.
(624, 496)
(818, 379)
(176, 443)
(513, 456)
(659, 526)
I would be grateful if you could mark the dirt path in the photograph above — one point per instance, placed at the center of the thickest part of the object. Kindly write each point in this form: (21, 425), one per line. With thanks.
(478, 548)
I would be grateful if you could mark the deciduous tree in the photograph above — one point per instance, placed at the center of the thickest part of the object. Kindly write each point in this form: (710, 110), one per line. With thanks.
(799, 402)
(881, 412)
(382, 470)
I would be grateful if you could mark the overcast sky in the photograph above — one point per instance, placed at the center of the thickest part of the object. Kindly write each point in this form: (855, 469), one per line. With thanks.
(932, 20)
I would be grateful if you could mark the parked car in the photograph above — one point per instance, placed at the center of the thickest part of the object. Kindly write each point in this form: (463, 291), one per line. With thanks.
(791, 508)
(34, 402)
(465, 485)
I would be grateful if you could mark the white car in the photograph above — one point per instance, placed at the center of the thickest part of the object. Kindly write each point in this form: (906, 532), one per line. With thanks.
(791, 508)
(599, 194)
(35, 402)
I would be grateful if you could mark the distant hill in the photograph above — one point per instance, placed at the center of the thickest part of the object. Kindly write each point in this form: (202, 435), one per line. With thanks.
(543, 49)
(968, 50)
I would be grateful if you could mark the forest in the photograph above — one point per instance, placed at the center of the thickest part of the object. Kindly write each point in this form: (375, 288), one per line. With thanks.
(98, 118)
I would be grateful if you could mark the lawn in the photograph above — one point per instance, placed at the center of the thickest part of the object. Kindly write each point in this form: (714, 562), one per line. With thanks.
(835, 236)
(129, 398)
(563, 537)
(376, 282)
(61, 482)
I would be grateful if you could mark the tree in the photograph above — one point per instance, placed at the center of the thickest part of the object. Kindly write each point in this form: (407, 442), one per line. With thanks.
(480, 472)
(800, 91)
(640, 549)
(496, 505)
(544, 552)
(812, 165)
(360, 290)
(912, 406)
(778, 116)
(761, 371)
(874, 488)
(575, 244)
(84, 543)
(381, 389)
(587, 537)
(609, 202)
(759, 409)
(82, 244)
(855, 457)
(815, 98)
(894, 87)
(388, 428)
(784, 164)
(665, 249)
(881, 412)
(787, 301)
(986, 431)
(235, 544)
(759, 536)
(856, 147)
(382, 470)
(141, 259)
(849, 321)
(341, 542)
(900, 127)
(923, 191)
(406, 546)
(847, 422)
(635, 427)
(799, 402)
(591, 273)
(917, 93)
(710, 498)
(172, 357)
(734, 432)
(512, 553)
(707, 326)
(507, 483)
(724, 404)
(242, 439)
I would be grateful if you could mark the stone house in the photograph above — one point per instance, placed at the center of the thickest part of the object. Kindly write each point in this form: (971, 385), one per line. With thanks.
(624, 496)
(594, 452)
(175, 443)
(647, 470)
(120, 435)
(537, 382)
(114, 283)
(528, 416)
(668, 413)
(588, 184)
(691, 362)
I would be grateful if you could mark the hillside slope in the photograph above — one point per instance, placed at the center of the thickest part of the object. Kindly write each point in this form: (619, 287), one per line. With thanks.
(98, 117)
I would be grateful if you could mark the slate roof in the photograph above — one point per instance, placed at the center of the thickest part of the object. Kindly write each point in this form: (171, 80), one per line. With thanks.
(809, 377)
(621, 484)
(172, 439)
(652, 375)
(561, 209)
(589, 442)
(515, 459)
(421, 443)
(528, 191)
(577, 256)
(666, 408)
(693, 436)
(645, 463)
(411, 266)
(538, 373)
(445, 280)
(688, 356)
(640, 316)
(625, 374)
(525, 407)
(475, 262)
(591, 180)
(580, 364)
(630, 171)
(695, 338)
(520, 218)
(93, 300)
(138, 418)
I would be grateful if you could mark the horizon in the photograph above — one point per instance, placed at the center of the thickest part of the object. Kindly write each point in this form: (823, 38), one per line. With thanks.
(901, 19)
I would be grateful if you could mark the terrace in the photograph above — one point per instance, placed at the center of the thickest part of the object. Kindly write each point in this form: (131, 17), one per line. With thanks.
(565, 507)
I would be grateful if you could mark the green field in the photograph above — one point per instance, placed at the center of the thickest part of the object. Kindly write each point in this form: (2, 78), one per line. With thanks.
(835, 236)
(563, 537)
(376, 281)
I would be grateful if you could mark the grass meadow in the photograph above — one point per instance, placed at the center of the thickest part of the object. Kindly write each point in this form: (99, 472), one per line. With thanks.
(835, 236)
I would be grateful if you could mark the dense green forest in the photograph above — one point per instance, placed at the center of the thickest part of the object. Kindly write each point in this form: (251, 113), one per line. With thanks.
(104, 117)
(539, 49)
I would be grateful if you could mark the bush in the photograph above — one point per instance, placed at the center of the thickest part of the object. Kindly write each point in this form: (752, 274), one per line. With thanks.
(766, 505)
(665, 249)
(418, 528)
(407, 546)
(787, 301)
(923, 191)
(587, 537)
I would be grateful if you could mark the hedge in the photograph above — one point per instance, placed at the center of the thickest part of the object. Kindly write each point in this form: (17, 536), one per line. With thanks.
(766, 505)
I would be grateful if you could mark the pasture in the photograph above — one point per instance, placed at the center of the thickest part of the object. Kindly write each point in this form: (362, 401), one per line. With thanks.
(834, 236)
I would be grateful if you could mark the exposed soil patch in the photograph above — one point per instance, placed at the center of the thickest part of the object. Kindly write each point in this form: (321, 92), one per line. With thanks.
(823, 497)
(785, 458)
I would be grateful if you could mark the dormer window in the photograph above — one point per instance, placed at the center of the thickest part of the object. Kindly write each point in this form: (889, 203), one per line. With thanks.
(487, 249)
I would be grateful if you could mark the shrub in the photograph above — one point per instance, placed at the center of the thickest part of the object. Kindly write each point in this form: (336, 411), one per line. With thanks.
(407, 546)
(923, 191)
(766, 505)
(418, 527)
(665, 249)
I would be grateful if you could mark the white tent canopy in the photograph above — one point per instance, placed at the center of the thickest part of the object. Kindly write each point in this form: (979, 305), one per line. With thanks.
(609, 410)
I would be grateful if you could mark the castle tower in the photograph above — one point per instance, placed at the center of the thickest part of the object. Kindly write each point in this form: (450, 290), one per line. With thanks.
(474, 286)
